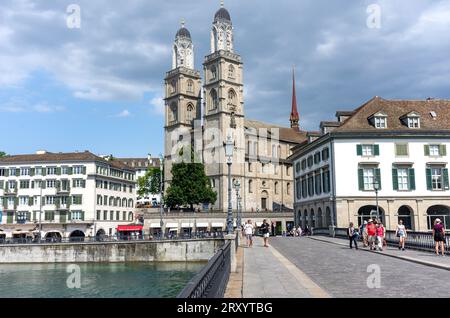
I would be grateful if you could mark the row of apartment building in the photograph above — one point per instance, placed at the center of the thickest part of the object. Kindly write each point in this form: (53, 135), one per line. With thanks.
(390, 151)
(65, 195)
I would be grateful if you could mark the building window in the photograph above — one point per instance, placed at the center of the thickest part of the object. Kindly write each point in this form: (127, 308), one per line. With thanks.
(326, 181)
(367, 177)
(318, 184)
(24, 184)
(38, 171)
(105, 215)
(23, 201)
(49, 200)
(413, 122)
(77, 200)
(325, 154)
(24, 171)
(310, 161)
(76, 215)
(250, 167)
(311, 185)
(402, 179)
(213, 73)
(297, 167)
(276, 187)
(190, 86)
(317, 157)
(51, 183)
(231, 71)
(51, 171)
(368, 150)
(190, 113)
(288, 189)
(435, 150)
(401, 150)
(436, 179)
(98, 216)
(250, 186)
(214, 100)
(304, 187)
(304, 164)
(380, 122)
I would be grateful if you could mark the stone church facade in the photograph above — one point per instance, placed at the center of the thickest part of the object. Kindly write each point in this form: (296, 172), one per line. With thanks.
(203, 113)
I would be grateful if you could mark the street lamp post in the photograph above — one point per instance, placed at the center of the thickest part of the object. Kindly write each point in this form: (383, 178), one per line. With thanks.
(237, 187)
(376, 187)
(40, 212)
(229, 147)
(161, 199)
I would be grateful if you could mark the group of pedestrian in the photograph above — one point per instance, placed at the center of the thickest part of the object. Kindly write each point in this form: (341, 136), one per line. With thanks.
(249, 231)
(374, 235)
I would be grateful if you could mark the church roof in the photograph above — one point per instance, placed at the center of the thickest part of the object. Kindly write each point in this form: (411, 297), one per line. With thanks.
(286, 134)
(222, 14)
(183, 33)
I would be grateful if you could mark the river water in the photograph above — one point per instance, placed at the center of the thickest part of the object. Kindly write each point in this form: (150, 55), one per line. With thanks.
(121, 280)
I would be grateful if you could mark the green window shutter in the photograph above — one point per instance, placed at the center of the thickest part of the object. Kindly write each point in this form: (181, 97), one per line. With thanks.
(82, 215)
(378, 177)
(445, 173)
(443, 150)
(361, 179)
(17, 172)
(427, 150)
(16, 217)
(70, 170)
(34, 215)
(73, 183)
(6, 172)
(5, 203)
(10, 217)
(429, 184)
(44, 171)
(30, 201)
(359, 150)
(69, 215)
(43, 184)
(376, 150)
(83, 183)
(58, 171)
(395, 179)
(83, 170)
(411, 179)
(32, 172)
(16, 202)
(28, 216)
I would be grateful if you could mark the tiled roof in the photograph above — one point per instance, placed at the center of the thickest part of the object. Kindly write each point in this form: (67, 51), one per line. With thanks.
(395, 111)
(61, 157)
(286, 134)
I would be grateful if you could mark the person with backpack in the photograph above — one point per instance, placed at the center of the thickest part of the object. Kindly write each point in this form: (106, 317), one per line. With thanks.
(352, 235)
(371, 234)
(439, 236)
(380, 235)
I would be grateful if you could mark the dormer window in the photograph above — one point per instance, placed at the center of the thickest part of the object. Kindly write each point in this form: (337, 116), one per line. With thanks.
(413, 122)
(380, 122)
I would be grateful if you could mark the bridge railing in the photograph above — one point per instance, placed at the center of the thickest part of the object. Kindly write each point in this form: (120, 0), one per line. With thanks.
(423, 241)
(212, 280)
(113, 238)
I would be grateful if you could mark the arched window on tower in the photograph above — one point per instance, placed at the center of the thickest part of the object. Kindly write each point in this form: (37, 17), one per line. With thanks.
(190, 113)
(213, 73)
(190, 86)
(173, 113)
(231, 72)
(214, 100)
(232, 100)
(173, 87)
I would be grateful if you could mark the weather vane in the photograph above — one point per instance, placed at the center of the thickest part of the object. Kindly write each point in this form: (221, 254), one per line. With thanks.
(222, 3)
(182, 22)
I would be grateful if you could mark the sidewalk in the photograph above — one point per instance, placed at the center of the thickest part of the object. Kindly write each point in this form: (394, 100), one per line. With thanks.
(420, 257)
(268, 274)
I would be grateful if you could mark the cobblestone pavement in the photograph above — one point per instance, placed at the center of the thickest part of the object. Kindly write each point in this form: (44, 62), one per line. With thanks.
(268, 274)
(344, 273)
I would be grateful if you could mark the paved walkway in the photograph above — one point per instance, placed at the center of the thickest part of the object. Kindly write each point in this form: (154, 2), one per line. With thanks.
(268, 274)
(349, 273)
(420, 257)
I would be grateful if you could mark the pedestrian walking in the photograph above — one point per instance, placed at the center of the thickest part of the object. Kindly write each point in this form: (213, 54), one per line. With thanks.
(400, 232)
(371, 234)
(352, 235)
(363, 233)
(380, 235)
(248, 230)
(439, 236)
(265, 228)
(299, 231)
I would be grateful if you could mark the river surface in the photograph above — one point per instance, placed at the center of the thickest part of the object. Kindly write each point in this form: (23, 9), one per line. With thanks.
(117, 280)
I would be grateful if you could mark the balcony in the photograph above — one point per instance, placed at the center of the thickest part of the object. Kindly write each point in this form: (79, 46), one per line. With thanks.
(11, 191)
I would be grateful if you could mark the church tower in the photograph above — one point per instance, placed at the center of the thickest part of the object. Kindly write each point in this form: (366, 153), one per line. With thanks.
(223, 113)
(182, 98)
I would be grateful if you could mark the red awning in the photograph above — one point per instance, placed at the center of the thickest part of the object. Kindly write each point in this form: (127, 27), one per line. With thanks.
(124, 228)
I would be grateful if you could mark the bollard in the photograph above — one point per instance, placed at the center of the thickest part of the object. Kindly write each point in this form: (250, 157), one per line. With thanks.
(232, 239)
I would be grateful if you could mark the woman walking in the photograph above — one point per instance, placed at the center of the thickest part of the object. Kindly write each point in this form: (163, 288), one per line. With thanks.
(352, 235)
(439, 236)
(400, 232)
(248, 230)
(380, 235)
(265, 228)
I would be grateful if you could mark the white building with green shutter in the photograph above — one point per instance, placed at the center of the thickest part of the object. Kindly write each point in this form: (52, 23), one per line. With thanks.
(398, 146)
(64, 194)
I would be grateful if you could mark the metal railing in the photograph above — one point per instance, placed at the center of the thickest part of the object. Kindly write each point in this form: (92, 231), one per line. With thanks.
(212, 280)
(114, 238)
(423, 241)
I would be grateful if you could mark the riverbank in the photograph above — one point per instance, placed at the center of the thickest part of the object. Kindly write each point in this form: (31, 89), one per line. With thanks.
(197, 250)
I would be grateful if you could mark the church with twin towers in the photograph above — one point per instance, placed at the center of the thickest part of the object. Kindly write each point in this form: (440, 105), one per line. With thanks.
(202, 113)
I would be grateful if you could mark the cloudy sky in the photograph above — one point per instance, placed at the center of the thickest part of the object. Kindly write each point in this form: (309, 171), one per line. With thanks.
(99, 87)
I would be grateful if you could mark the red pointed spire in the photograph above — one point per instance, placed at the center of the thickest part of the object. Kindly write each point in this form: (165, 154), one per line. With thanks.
(294, 112)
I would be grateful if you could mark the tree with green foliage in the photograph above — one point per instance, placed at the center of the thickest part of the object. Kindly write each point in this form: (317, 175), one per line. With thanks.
(189, 186)
(150, 182)
(2, 154)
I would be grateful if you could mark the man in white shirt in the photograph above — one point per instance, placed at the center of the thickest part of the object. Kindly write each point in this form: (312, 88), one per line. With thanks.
(248, 230)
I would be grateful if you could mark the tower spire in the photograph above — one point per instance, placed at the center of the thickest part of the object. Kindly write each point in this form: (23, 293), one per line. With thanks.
(294, 112)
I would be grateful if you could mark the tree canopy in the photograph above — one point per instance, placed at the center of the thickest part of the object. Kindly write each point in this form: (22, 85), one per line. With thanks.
(150, 182)
(2, 154)
(189, 186)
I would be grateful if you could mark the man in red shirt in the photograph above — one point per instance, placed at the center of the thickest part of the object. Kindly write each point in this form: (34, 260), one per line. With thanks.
(371, 234)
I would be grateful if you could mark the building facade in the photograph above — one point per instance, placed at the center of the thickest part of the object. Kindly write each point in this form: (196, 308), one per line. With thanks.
(141, 166)
(390, 151)
(202, 114)
(65, 194)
